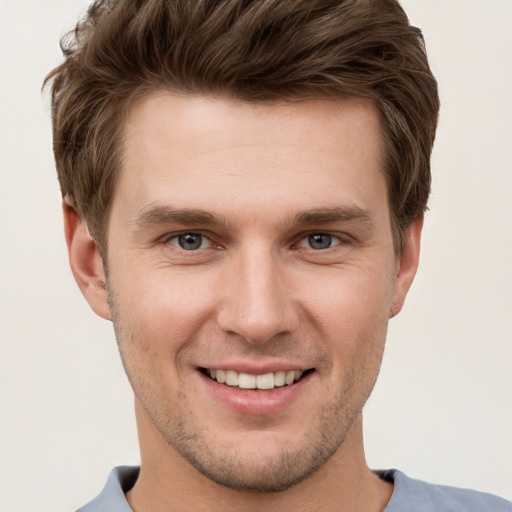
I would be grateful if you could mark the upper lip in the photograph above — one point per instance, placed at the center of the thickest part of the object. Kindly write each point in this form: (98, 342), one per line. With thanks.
(255, 368)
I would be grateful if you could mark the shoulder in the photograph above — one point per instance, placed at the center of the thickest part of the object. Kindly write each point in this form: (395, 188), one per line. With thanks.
(418, 496)
(111, 498)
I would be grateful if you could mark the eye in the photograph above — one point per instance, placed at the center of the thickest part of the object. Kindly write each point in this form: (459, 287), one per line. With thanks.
(319, 241)
(190, 241)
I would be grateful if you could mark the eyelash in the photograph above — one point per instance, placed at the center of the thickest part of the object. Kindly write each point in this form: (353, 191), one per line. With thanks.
(335, 240)
(332, 238)
(176, 238)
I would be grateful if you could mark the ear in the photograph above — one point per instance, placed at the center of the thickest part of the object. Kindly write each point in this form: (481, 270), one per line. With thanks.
(407, 264)
(85, 261)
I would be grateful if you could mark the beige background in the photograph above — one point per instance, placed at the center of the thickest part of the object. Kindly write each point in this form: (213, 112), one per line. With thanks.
(442, 410)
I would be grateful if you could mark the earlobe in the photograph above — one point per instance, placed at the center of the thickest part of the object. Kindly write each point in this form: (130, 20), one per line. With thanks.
(407, 265)
(86, 263)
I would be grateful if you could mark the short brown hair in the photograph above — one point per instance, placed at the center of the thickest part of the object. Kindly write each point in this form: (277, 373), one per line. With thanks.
(253, 50)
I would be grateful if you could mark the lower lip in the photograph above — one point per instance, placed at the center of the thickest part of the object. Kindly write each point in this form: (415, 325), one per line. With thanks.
(256, 402)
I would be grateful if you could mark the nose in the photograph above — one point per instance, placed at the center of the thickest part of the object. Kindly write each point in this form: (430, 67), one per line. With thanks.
(257, 303)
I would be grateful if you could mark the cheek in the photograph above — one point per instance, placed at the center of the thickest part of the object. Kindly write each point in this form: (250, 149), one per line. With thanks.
(164, 310)
(351, 297)
(350, 315)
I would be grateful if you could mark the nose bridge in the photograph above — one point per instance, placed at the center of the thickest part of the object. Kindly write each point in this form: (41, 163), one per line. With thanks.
(257, 304)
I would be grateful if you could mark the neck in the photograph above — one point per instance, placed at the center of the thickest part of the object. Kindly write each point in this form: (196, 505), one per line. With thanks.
(169, 482)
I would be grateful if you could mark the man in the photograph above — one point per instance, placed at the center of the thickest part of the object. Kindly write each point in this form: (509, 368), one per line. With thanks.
(244, 186)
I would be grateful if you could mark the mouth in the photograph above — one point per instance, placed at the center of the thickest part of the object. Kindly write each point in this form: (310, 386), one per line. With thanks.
(265, 381)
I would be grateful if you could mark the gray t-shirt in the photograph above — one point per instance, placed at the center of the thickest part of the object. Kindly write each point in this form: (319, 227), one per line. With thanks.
(409, 495)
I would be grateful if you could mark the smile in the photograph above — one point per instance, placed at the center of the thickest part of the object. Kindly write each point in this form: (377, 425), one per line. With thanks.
(247, 381)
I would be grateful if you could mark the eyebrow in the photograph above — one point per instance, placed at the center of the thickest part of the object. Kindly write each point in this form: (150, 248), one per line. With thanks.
(154, 215)
(351, 213)
(159, 215)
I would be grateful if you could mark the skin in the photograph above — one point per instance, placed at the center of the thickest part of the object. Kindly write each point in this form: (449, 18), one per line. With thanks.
(253, 182)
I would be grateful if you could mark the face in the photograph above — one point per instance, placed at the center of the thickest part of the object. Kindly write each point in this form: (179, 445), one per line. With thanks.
(251, 279)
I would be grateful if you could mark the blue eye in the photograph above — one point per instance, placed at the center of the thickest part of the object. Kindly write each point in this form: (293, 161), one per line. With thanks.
(190, 241)
(319, 241)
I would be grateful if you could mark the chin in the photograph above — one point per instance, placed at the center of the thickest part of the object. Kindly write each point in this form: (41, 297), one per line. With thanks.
(262, 461)
(261, 473)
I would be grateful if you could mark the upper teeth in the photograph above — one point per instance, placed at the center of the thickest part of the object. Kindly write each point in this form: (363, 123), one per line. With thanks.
(248, 381)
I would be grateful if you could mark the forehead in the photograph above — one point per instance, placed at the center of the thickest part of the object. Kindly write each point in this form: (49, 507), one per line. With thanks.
(209, 122)
(215, 150)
